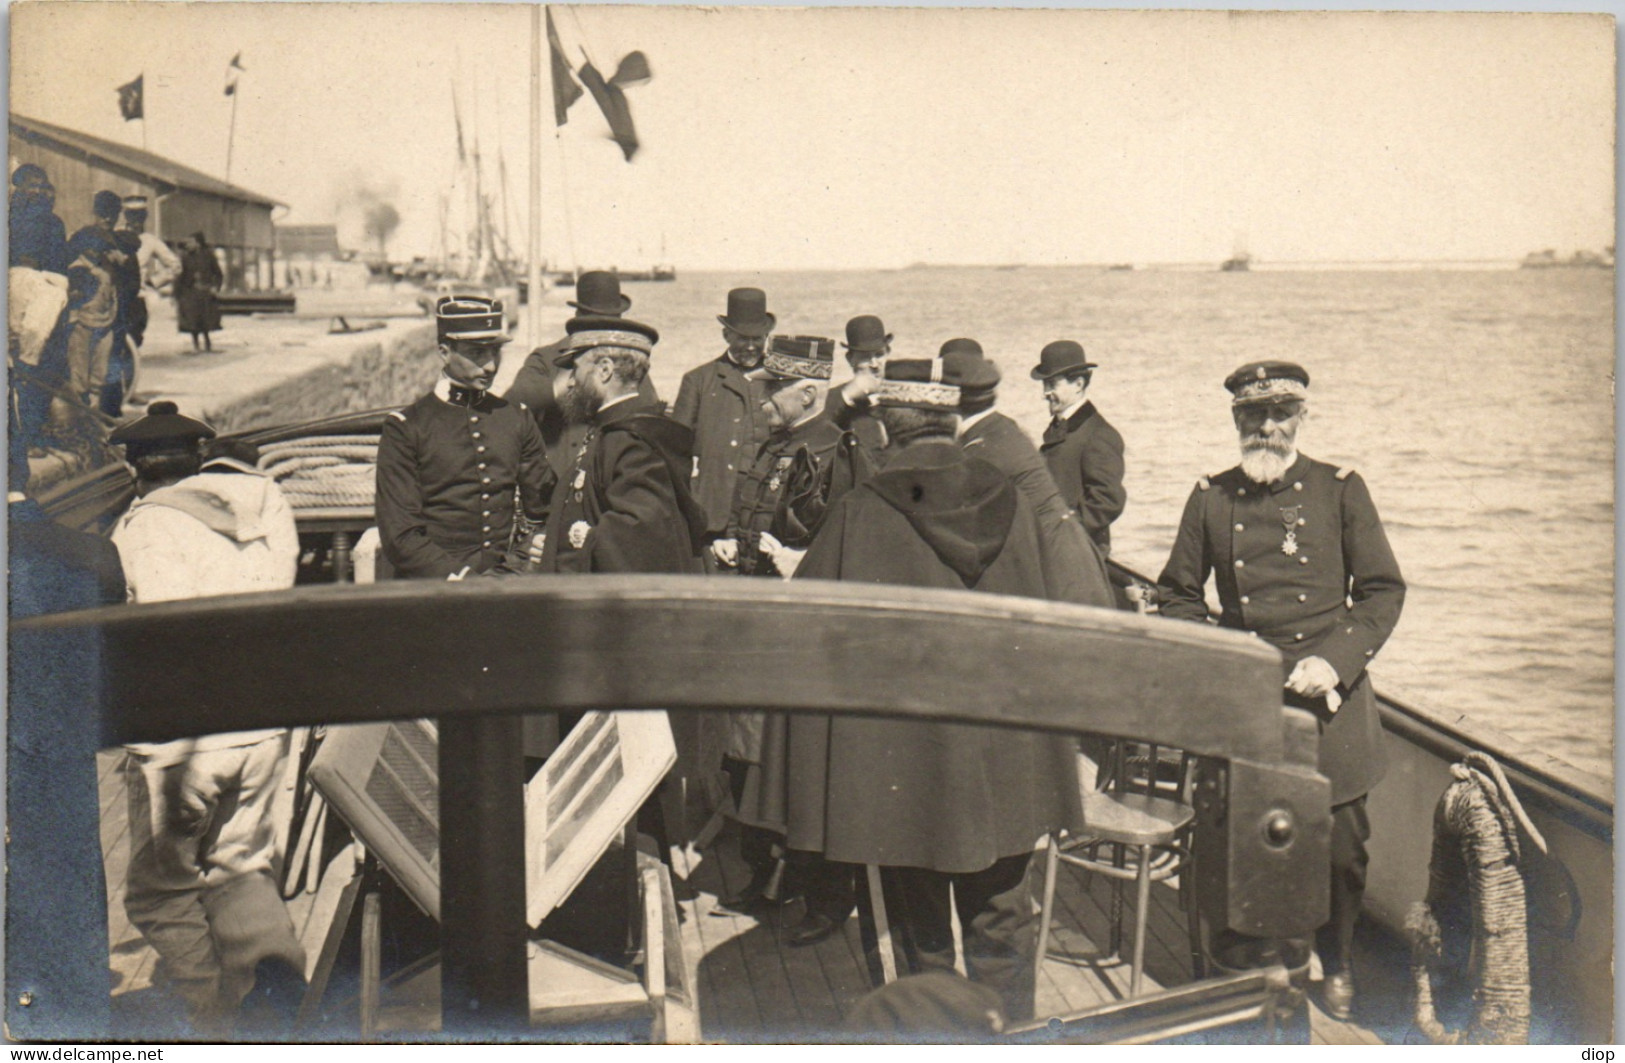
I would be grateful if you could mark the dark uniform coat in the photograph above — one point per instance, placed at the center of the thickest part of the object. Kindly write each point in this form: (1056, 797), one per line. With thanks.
(791, 462)
(946, 797)
(447, 475)
(533, 386)
(1085, 455)
(624, 506)
(1336, 596)
(724, 411)
(1000, 442)
(860, 420)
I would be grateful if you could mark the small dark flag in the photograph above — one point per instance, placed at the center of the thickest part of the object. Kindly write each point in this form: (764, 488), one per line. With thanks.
(612, 101)
(565, 89)
(232, 69)
(130, 99)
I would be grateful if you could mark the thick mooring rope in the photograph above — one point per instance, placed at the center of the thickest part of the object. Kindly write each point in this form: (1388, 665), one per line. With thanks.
(1473, 924)
(319, 473)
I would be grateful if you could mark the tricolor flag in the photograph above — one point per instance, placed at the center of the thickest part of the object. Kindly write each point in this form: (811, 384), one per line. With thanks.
(234, 68)
(130, 99)
(634, 69)
(565, 89)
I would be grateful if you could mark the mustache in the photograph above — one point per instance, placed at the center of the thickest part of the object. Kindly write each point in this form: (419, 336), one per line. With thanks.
(1270, 444)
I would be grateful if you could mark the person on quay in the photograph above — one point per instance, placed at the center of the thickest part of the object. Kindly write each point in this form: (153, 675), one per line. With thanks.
(449, 465)
(850, 406)
(202, 888)
(197, 290)
(95, 321)
(949, 811)
(1085, 453)
(624, 505)
(38, 291)
(724, 409)
(539, 384)
(1301, 560)
(149, 265)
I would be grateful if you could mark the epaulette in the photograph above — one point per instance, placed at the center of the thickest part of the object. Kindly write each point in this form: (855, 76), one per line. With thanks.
(398, 415)
(1344, 473)
(1203, 483)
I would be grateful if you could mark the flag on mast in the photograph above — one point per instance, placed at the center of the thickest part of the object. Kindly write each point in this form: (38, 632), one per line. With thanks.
(633, 70)
(130, 101)
(565, 89)
(234, 68)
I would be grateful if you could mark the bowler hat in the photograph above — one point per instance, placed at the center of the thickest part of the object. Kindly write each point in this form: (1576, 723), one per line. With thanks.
(1062, 356)
(865, 335)
(797, 358)
(106, 204)
(469, 319)
(1268, 382)
(747, 312)
(163, 428)
(610, 334)
(598, 293)
(963, 361)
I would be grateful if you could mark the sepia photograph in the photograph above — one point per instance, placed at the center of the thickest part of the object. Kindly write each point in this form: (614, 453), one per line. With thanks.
(594, 524)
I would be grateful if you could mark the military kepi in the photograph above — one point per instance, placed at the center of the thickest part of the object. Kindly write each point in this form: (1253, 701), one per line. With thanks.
(469, 319)
(797, 358)
(922, 383)
(1268, 382)
(610, 334)
(163, 428)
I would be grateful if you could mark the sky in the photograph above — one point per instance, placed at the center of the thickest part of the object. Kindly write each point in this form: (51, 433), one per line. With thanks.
(782, 138)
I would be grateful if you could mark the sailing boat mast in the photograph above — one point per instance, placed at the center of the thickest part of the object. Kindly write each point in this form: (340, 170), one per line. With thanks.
(533, 241)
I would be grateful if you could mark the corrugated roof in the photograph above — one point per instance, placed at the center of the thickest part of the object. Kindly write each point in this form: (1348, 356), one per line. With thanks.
(154, 167)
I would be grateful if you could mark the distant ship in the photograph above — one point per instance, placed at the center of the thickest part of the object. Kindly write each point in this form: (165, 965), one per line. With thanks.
(1240, 262)
(1579, 260)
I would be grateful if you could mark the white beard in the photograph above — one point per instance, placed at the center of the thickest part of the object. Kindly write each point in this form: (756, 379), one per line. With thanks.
(1264, 466)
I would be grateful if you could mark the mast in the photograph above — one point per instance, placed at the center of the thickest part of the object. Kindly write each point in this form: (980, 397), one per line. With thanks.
(533, 241)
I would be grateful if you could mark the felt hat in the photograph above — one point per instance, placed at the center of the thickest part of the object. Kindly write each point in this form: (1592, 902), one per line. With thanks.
(978, 378)
(598, 294)
(747, 312)
(865, 335)
(1062, 356)
(106, 204)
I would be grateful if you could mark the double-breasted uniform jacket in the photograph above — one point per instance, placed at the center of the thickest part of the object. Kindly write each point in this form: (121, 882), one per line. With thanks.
(790, 463)
(724, 411)
(1305, 565)
(624, 506)
(449, 468)
(999, 441)
(1085, 455)
(533, 386)
(948, 797)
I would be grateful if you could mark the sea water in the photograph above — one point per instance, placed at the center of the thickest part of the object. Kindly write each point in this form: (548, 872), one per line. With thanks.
(1477, 405)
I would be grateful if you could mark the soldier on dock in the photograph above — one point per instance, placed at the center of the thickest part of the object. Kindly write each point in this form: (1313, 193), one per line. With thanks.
(1301, 560)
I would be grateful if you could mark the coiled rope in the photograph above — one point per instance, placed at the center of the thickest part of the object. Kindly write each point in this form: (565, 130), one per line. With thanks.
(318, 473)
(1474, 924)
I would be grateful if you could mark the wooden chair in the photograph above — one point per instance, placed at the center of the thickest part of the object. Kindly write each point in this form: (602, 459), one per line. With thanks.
(1141, 813)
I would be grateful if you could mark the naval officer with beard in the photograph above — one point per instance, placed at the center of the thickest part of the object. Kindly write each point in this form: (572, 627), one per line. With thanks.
(1301, 560)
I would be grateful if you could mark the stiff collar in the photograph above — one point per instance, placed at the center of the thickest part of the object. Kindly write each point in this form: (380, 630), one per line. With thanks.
(1071, 411)
(967, 423)
(447, 391)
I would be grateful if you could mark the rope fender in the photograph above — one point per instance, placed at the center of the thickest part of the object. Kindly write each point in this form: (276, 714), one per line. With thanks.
(1473, 924)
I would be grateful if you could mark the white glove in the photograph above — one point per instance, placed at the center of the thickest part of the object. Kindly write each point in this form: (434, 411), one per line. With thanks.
(1313, 677)
(784, 558)
(726, 551)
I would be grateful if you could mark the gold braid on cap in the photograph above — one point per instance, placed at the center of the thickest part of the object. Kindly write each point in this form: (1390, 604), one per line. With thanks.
(918, 393)
(1274, 389)
(798, 368)
(618, 340)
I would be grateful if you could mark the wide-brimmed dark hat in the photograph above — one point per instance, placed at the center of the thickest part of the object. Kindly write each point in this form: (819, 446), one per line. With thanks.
(598, 293)
(604, 333)
(747, 312)
(1062, 356)
(469, 319)
(163, 428)
(797, 358)
(866, 335)
(1267, 383)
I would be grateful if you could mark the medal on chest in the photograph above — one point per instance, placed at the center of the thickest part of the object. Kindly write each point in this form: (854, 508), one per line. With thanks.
(776, 481)
(580, 480)
(1289, 525)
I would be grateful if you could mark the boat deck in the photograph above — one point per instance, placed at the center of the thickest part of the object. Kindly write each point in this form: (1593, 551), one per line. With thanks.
(751, 987)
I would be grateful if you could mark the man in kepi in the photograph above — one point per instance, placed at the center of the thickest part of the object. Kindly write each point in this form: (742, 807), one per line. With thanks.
(901, 794)
(1301, 560)
(1084, 452)
(202, 887)
(724, 409)
(449, 464)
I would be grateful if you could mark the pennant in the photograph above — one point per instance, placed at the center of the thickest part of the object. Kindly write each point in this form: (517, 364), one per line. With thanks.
(565, 89)
(232, 69)
(130, 99)
(612, 101)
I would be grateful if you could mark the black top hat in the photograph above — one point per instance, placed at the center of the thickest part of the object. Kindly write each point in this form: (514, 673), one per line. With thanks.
(604, 333)
(747, 312)
(598, 293)
(1062, 356)
(163, 428)
(1268, 382)
(797, 358)
(865, 335)
(469, 319)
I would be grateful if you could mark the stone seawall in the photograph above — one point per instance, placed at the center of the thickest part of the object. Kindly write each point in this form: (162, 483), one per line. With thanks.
(391, 372)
